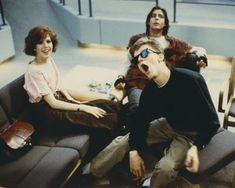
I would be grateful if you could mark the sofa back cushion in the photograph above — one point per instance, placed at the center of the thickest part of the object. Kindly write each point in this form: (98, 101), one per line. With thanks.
(14, 99)
(4, 123)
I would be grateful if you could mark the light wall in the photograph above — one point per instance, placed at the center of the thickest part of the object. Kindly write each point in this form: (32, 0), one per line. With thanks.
(7, 49)
(216, 40)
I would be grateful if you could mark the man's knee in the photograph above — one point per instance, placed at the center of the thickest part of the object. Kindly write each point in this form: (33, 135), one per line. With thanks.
(164, 173)
(110, 156)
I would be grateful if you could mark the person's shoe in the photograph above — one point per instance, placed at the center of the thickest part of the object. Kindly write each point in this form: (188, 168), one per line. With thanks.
(86, 179)
(146, 182)
(117, 95)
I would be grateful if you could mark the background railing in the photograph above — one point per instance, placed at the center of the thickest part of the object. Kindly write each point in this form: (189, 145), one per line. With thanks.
(90, 6)
(174, 2)
(2, 14)
(202, 2)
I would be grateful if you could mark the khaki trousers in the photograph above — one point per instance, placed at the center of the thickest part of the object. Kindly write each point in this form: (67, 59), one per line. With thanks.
(166, 170)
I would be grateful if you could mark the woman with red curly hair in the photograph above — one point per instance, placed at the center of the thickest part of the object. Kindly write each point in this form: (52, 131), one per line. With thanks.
(55, 107)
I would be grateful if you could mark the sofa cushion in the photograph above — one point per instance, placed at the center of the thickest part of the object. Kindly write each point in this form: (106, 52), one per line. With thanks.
(14, 98)
(217, 154)
(42, 166)
(4, 123)
(79, 142)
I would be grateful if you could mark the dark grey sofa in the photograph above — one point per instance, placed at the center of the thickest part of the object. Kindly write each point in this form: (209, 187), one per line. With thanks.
(52, 159)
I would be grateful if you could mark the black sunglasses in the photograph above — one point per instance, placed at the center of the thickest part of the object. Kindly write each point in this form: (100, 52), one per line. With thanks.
(144, 53)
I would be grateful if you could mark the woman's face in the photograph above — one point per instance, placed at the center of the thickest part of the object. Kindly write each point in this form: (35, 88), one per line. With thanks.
(44, 49)
(157, 20)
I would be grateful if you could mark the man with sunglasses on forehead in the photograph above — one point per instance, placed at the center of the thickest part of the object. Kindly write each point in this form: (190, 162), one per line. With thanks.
(176, 108)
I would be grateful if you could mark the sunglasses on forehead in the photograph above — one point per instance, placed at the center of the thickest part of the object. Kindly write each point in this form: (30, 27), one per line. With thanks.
(144, 53)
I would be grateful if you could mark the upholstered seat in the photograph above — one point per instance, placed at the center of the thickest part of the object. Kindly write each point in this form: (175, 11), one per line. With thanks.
(229, 106)
(216, 155)
(52, 159)
(75, 141)
(42, 166)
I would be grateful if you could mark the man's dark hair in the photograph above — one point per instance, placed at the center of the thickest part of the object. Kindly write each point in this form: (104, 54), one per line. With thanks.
(165, 29)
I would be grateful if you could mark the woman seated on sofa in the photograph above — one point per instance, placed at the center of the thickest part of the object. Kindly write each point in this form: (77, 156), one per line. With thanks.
(55, 106)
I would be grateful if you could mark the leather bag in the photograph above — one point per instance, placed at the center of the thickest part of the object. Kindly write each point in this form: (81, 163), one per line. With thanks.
(16, 139)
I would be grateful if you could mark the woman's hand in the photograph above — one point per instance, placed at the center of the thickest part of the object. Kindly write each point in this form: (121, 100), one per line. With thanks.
(95, 111)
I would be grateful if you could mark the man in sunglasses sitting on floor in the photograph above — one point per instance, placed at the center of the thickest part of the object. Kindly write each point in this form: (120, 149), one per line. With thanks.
(175, 107)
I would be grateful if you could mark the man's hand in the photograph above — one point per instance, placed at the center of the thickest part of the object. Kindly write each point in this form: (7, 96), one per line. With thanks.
(120, 83)
(120, 86)
(202, 63)
(137, 166)
(192, 161)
